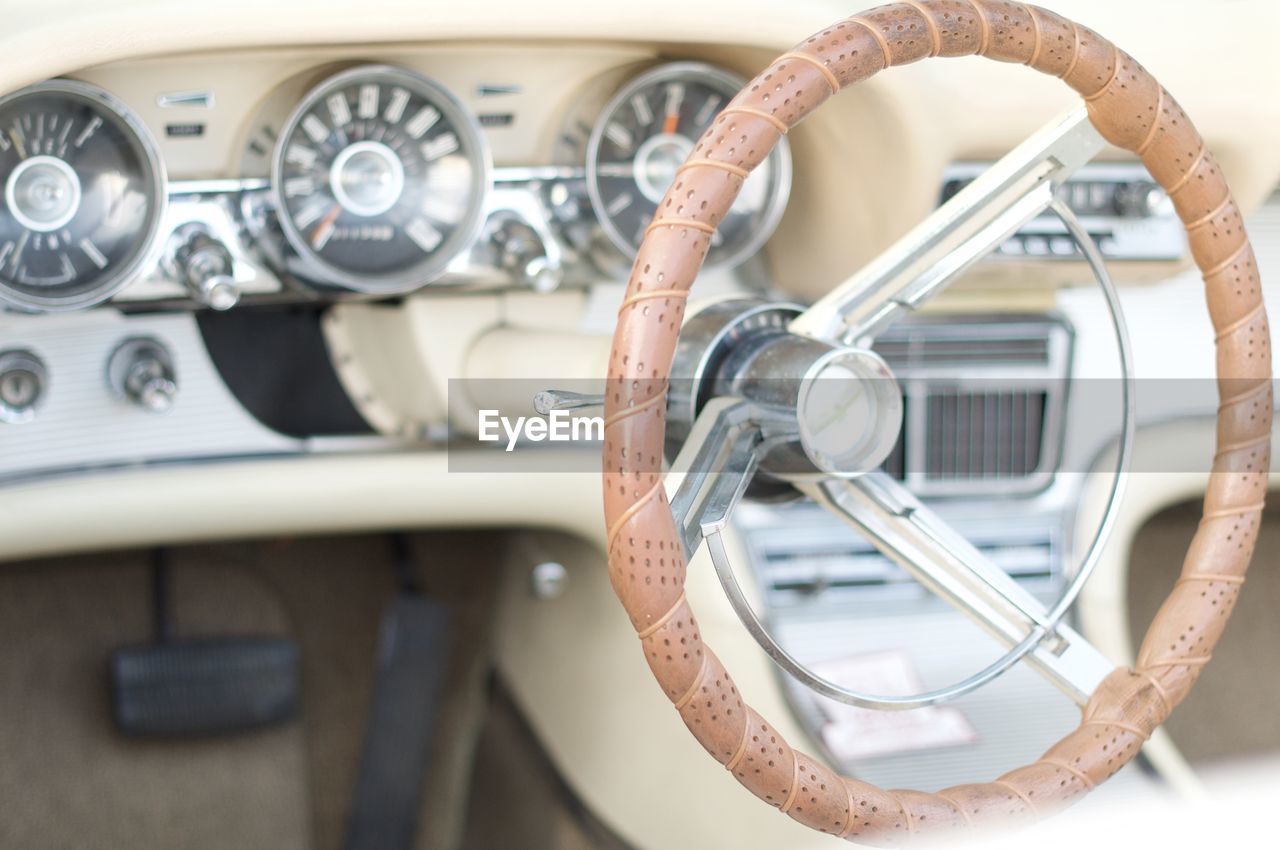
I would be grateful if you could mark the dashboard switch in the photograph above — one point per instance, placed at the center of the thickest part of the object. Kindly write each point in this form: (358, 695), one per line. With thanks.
(206, 268)
(141, 372)
(23, 379)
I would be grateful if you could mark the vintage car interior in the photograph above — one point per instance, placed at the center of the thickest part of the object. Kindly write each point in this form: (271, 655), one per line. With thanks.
(353, 370)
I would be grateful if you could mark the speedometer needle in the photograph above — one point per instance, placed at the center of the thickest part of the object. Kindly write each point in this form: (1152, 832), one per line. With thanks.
(675, 97)
(320, 236)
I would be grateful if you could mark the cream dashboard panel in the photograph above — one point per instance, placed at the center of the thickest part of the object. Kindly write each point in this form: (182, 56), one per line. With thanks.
(521, 94)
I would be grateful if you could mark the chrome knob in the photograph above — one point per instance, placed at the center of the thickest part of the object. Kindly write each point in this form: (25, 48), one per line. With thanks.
(207, 269)
(141, 372)
(23, 379)
(541, 275)
(524, 254)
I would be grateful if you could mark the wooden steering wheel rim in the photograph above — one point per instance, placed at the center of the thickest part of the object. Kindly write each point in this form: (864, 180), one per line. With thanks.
(646, 564)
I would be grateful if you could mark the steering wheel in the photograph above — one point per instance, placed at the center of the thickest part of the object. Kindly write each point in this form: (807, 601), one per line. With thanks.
(764, 383)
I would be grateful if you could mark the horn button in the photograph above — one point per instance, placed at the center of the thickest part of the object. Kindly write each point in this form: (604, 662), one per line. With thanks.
(830, 409)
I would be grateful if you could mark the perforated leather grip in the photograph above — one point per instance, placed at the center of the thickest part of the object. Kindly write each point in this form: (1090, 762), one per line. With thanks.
(1131, 110)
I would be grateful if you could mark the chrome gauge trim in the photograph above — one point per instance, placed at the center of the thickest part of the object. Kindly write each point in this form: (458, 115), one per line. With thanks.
(318, 270)
(780, 158)
(149, 245)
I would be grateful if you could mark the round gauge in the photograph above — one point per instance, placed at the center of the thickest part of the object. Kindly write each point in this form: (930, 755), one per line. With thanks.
(380, 178)
(643, 136)
(83, 196)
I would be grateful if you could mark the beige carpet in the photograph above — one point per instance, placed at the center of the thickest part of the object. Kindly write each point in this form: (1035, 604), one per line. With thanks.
(68, 780)
(513, 777)
(1232, 711)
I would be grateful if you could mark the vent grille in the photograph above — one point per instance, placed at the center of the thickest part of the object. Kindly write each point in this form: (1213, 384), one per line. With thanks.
(984, 435)
(983, 404)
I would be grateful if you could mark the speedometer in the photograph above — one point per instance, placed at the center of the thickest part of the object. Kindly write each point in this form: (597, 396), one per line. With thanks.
(83, 191)
(380, 178)
(644, 134)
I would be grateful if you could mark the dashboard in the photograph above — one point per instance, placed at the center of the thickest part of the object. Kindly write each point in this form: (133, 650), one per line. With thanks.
(181, 227)
(175, 208)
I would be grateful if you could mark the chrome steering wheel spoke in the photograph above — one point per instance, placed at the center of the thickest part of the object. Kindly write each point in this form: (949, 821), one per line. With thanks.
(957, 235)
(711, 475)
(918, 540)
(719, 458)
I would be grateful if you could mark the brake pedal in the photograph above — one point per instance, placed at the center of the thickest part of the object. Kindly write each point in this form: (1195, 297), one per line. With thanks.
(204, 686)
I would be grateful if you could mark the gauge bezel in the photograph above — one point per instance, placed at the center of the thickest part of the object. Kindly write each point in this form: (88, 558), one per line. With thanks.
(149, 244)
(781, 177)
(316, 269)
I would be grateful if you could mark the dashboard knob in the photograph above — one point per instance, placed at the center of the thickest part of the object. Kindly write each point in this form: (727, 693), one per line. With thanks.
(141, 372)
(1140, 199)
(23, 379)
(540, 275)
(524, 254)
(205, 266)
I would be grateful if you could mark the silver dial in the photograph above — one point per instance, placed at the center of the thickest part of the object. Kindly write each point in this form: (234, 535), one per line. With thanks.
(380, 178)
(83, 196)
(644, 134)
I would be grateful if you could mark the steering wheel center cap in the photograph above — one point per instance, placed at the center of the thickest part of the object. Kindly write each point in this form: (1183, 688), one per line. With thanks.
(850, 412)
(43, 193)
(367, 178)
(657, 161)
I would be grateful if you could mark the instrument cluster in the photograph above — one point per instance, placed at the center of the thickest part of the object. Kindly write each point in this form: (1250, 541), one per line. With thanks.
(377, 182)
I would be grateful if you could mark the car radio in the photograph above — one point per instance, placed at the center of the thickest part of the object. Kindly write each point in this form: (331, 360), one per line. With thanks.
(1122, 208)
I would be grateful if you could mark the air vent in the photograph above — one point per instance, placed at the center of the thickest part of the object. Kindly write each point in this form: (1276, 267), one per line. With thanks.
(983, 404)
(993, 435)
